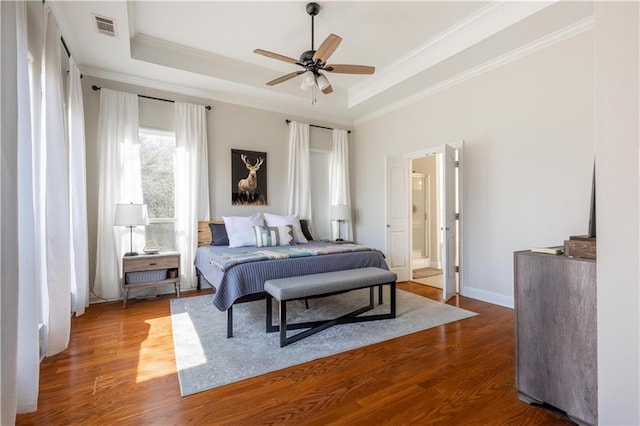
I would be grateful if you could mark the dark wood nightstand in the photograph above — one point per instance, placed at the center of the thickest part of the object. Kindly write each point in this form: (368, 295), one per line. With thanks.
(150, 270)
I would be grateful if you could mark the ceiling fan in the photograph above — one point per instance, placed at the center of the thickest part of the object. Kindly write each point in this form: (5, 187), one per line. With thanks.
(314, 61)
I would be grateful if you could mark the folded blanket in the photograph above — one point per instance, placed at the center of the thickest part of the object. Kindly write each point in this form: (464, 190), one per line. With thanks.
(224, 261)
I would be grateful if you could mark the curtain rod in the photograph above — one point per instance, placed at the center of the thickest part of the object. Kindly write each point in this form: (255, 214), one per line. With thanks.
(313, 125)
(66, 49)
(207, 107)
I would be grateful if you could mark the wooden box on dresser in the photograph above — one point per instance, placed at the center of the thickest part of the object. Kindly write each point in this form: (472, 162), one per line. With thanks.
(556, 354)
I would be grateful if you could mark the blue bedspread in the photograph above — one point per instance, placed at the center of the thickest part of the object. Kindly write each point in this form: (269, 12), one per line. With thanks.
(235, 273)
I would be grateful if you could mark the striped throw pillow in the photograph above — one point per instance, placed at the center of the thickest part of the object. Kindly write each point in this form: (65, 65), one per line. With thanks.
(268, 236)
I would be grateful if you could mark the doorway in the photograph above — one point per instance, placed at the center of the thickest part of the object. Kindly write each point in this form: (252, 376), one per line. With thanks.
(398, 195)
(426, 241)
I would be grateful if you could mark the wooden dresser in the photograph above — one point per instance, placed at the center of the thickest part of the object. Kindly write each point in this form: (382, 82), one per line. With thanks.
(556, 353)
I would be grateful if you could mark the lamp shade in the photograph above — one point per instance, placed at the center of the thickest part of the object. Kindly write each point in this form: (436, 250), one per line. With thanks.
(340, 212)
(131, 215)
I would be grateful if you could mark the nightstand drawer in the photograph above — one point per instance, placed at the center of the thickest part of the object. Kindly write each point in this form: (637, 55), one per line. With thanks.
(150, 262)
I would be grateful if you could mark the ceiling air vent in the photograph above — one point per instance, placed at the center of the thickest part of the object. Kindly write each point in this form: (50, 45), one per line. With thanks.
(106, 26)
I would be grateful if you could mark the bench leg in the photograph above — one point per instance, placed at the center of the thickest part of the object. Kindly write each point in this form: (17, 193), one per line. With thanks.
(371, 300)
(283, 324)
(392, 287)
(269, 318)
(317, 326)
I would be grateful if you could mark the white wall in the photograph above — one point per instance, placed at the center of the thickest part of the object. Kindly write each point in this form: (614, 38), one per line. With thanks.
(618, 212)
(529, 152)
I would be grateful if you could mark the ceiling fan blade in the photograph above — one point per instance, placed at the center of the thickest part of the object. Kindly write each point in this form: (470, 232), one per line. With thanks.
(326, 49)
(350, 69)
(284, 78)
(275, 56)
(327, 90)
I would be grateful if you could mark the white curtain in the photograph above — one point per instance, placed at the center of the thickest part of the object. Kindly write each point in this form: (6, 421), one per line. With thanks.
(191, 184)
(56, 197)
(19, 365)
(339, 176)
(299, 176)
(120, 182)
(78, 191)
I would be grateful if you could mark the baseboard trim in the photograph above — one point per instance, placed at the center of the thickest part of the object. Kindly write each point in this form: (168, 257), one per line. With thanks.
(488, 296)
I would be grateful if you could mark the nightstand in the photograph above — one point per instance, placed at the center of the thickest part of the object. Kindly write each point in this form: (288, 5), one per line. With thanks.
(150, 270)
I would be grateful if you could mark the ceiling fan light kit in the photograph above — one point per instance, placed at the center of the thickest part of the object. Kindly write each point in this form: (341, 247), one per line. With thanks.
(308, 80)
(322, 82)
(314, 61)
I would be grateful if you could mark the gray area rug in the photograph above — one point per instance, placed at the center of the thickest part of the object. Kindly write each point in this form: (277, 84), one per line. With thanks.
(206, 359)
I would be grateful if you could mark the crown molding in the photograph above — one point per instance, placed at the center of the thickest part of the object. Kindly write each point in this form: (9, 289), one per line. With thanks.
(570, 31)
(265, 99)
(477, 27)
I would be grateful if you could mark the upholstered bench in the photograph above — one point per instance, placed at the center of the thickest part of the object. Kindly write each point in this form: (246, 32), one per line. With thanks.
(327, 284)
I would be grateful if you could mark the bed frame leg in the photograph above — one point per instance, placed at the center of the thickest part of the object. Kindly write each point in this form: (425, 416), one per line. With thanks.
(230, 322)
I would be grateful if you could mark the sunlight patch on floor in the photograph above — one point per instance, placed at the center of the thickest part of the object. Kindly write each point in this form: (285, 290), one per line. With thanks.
(155, 357)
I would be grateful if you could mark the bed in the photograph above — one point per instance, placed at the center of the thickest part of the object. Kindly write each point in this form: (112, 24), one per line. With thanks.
(238, 274)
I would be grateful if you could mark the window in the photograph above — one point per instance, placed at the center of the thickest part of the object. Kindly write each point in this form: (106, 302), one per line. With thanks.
(157, 156)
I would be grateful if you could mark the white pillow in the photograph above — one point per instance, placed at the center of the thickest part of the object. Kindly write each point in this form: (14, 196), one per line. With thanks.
(278, 220)
(240, 229)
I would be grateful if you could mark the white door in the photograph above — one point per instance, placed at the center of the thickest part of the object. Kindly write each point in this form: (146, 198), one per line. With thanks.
(397, 216)
(449, 238)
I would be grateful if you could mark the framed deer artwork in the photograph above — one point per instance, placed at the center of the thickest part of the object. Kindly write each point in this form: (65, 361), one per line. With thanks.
(248, 178)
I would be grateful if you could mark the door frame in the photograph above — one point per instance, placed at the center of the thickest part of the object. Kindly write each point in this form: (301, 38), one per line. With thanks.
(460, 196)
(426, 179)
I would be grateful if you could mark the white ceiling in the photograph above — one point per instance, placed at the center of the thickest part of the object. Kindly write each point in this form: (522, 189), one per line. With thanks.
(206, 48)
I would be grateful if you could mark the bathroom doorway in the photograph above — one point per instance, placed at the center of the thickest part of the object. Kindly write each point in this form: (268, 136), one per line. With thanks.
(426, 244)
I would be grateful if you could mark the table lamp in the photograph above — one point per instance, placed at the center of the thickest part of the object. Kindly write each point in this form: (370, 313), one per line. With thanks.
(340, 213)
(130, 216)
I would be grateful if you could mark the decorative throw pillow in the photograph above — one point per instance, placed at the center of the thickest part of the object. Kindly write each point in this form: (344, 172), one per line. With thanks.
(240, 229)
(269, 236)
(219, 235)
(306, 231)
(278, 220)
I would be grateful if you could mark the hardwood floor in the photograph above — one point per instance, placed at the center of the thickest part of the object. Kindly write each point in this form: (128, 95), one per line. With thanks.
(120, 369)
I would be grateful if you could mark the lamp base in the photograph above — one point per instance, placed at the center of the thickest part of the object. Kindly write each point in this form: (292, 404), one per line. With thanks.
(131, 253)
